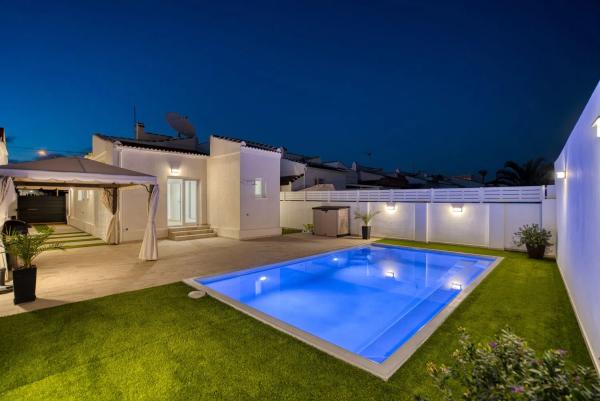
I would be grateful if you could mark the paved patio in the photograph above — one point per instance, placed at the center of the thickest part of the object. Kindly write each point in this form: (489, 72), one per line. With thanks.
(85, 273)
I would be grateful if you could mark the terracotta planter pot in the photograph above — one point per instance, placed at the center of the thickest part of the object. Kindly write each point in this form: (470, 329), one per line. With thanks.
(366, 232)
(24, 281)
(536, 252)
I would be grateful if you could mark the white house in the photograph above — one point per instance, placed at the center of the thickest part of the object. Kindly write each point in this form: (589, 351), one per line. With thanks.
(227, 187)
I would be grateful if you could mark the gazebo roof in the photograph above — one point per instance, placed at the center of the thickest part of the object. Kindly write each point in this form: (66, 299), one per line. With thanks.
(73, 171)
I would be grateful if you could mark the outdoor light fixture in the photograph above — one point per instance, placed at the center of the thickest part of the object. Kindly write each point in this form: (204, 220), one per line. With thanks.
(561, 175)
(42, 152)
(390, 207)
(263, 278)
(455, 285)
(457, 208)
(390, 274)
(335, 259)
(175, 171)
(597, 125)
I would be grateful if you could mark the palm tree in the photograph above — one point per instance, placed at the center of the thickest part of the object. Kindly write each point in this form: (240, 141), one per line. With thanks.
(482, 173)
(532, 172)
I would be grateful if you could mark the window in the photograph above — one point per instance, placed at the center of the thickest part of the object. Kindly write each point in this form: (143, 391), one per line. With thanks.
(80, 194)
(260, 190)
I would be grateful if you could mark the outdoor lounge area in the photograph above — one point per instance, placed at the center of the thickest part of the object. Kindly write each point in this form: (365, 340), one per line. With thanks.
(157, 343)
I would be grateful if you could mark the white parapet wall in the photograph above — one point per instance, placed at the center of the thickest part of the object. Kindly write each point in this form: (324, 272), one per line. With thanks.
(578, 221)
(467, 220)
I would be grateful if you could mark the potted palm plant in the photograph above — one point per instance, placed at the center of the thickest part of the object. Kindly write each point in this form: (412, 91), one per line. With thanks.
(26, 248)
(366, 219)
(534, 238)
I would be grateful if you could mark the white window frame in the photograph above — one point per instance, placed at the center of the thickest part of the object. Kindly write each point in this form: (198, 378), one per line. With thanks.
(263, 188)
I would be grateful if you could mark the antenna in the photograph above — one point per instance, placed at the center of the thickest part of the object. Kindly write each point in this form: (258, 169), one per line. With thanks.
(134, 120)
(181, 124)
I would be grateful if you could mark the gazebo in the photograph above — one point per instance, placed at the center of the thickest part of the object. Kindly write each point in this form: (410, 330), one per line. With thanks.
(68, 172)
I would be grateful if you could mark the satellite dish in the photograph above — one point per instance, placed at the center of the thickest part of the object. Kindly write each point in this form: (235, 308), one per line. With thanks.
(181, 124)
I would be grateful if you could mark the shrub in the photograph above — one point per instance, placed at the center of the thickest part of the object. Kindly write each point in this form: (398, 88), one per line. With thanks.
(27, 247)
(508, 369)
(365, 217)
(309, 228)
(532, 235)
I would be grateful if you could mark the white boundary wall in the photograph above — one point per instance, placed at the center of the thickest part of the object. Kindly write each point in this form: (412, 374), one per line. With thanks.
(489, 225)
(578, 221)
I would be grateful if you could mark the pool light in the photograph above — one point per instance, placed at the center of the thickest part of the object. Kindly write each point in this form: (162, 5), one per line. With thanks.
(390, 274)
(335, 259)
(263, 278)
(597, 125)
(561, 175)
(455, 285)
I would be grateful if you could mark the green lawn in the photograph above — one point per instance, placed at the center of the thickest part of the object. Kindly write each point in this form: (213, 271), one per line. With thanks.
(157, 344)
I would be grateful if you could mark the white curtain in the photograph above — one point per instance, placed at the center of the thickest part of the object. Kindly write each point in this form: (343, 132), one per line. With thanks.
(149, 249)
(8, 195)
(108, 200)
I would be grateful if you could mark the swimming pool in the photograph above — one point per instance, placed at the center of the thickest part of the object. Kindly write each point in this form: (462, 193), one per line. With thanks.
(371, 305)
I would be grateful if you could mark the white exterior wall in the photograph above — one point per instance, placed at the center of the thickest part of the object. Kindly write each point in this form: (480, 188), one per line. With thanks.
(87, 212)
(133, 202)
(259, 216)
(233, 209)
(224, 188)
(489, 225)
(578, 222)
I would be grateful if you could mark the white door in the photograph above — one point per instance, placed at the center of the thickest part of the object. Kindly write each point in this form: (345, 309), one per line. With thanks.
(190, 201)
(182, 202)
(175, 201)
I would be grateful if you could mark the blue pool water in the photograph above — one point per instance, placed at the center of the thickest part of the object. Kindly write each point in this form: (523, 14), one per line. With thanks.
(368, 300)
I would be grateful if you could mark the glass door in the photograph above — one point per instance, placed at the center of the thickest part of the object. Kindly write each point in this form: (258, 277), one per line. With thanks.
(175, 201)
(191, 201)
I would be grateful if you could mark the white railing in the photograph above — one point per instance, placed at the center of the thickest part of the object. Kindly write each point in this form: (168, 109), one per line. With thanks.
(438, 195)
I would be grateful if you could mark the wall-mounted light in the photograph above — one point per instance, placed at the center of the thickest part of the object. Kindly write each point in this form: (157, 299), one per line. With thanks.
(175, 171)
(42, 152)
(597, 125)
(456, 208)
(561, 175)
(390, 207)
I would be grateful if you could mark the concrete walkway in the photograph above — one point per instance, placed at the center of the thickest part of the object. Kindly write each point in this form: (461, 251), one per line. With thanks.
(85, 273)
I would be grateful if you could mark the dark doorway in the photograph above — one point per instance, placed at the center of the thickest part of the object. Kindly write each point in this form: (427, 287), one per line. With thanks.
(42, 206)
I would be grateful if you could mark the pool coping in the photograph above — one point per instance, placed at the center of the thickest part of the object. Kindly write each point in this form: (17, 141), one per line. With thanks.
(382, 370)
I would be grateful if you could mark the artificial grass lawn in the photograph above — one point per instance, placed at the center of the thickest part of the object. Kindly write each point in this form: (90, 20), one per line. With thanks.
(157, 344)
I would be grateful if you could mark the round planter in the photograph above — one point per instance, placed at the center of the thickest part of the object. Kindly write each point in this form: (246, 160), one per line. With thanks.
(536, 252)
(24, 285)
(366, 232)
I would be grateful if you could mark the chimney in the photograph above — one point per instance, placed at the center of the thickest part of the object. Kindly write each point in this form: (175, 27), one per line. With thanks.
(139, 130)
(2, 135)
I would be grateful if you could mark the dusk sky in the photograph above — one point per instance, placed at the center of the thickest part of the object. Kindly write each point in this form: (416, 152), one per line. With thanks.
(447, 87)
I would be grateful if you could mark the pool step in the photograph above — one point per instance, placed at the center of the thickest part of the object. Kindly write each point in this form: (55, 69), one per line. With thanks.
(192, 232)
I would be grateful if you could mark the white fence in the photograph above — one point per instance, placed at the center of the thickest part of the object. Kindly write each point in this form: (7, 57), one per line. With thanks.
(464, 195)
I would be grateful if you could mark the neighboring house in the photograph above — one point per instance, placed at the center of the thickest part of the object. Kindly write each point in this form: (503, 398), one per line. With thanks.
(300, 172)
(377, 178)
(227, 184)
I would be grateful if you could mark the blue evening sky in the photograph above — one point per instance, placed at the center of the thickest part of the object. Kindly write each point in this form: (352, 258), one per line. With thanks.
(442, 86)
